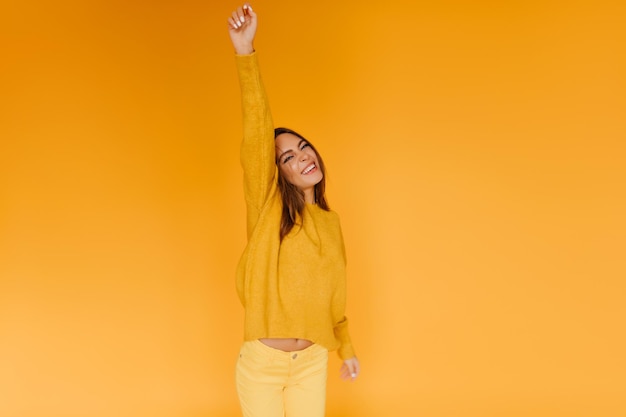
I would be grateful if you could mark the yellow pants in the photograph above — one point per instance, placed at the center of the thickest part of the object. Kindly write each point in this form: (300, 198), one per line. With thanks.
(273, 383)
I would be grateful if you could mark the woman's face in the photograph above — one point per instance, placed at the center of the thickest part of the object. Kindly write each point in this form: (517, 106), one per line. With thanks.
(298, 162)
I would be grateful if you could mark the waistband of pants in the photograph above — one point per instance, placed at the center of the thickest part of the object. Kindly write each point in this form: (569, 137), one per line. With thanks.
(307, 353)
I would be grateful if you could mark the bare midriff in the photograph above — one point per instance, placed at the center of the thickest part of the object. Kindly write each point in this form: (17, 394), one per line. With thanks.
(287, 345)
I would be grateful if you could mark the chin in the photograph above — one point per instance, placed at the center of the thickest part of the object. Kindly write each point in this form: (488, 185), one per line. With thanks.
(319, 177)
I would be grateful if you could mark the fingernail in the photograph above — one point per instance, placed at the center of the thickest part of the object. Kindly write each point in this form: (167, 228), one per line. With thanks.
(353, 375)
(242, 19)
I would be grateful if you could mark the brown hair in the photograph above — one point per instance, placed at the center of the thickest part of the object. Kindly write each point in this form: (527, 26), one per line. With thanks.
(292, 196)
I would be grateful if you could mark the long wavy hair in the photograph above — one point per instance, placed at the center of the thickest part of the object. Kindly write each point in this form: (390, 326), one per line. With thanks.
(292, 196)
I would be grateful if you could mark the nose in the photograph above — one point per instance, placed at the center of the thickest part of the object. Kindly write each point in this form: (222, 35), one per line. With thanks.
(304, 156)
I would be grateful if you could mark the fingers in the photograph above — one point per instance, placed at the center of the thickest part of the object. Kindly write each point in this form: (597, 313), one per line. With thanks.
(248, 9)
(238, 17)
(356, 369)
(236, 20)
(344, 372)
(350, 369)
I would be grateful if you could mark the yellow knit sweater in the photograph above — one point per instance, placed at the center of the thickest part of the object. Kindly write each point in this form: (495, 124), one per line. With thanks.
(295, 288)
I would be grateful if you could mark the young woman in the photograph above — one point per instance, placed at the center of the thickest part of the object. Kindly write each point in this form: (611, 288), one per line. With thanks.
(291, 277)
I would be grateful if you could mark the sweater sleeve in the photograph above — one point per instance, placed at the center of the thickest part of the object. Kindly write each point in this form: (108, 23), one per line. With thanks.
(345, 351)
(257, 148)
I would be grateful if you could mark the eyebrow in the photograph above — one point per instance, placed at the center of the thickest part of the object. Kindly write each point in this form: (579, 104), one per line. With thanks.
(290, 150)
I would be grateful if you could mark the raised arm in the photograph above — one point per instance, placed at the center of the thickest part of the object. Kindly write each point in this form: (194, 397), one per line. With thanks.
(257, 147)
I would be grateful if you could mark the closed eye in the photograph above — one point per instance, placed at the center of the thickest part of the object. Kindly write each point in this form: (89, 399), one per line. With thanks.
(303, 144)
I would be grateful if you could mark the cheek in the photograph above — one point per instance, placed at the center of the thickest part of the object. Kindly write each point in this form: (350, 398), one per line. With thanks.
(287, 171)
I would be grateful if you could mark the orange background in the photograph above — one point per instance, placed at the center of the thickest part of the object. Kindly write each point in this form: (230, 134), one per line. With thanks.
(476, 155)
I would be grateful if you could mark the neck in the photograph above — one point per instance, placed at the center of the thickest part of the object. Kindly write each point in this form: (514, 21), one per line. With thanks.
(309, 195)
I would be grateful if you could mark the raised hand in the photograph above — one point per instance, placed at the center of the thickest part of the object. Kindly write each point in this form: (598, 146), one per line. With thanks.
(242, 28)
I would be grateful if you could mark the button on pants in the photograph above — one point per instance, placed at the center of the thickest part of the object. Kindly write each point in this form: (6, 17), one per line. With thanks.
(273, 383)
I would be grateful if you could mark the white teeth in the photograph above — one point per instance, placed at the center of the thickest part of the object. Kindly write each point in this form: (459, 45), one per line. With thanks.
(309, 169)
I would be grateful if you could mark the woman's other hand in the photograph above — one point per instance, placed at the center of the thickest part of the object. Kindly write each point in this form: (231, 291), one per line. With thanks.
(350, 369)
(242, 28)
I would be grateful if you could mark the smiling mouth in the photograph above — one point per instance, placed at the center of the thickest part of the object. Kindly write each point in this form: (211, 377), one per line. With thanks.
(309, 169)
